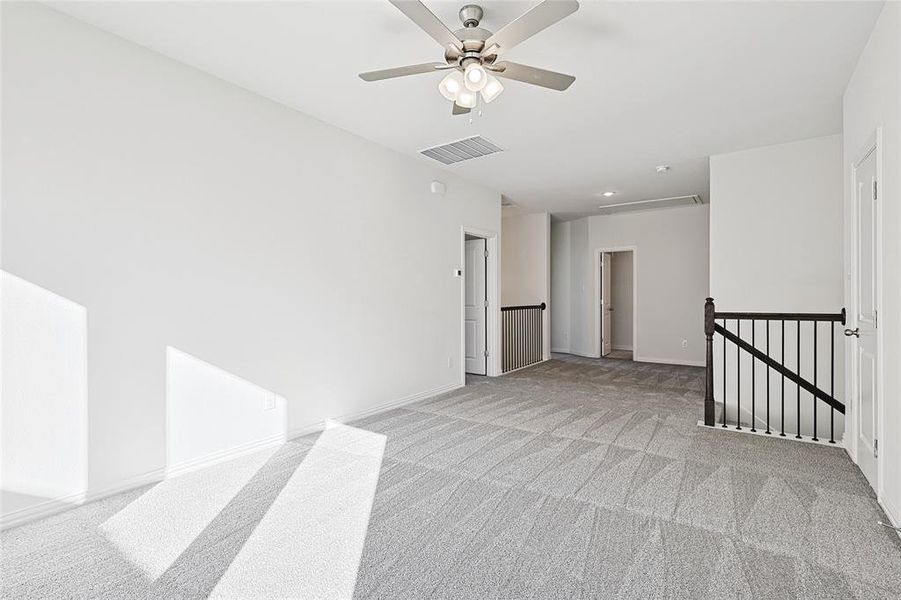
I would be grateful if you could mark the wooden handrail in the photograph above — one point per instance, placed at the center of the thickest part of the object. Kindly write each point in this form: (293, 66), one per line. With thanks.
(541, 306)
(774, 316)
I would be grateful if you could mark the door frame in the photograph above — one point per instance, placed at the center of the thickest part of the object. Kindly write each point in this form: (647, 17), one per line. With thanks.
(492, 294)
(873, 145)
(596, 310)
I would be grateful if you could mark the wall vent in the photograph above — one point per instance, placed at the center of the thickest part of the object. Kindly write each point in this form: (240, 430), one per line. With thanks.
(459, 151)
(607, 209)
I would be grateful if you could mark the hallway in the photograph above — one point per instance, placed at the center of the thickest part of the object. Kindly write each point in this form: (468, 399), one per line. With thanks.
(576, 478)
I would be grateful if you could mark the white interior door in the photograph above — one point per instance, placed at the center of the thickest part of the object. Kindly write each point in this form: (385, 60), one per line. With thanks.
(863, 327)
(475, 308)
(606, 305)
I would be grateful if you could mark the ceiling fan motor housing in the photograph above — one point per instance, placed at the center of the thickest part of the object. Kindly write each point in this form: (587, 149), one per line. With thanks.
(472, 39)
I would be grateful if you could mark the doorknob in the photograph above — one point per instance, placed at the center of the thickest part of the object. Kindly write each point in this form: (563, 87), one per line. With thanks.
(855, 332)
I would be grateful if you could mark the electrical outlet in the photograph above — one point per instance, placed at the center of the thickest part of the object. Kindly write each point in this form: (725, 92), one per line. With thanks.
(685, 343)
(269, 402)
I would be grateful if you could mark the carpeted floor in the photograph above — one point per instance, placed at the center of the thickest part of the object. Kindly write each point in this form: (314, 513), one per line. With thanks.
(576, 478)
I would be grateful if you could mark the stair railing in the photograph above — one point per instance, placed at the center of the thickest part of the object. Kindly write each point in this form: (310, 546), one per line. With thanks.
(523, 336)
(772, 362)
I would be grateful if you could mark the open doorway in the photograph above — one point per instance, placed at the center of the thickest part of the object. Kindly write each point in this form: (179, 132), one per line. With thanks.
(479, 310)
(616, 308)
(475, 305)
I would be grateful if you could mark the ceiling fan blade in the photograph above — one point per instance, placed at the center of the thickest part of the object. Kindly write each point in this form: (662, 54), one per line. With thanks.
(460, 110)
(538, 18)
(402, 71)
(533, 75)
(417, 12)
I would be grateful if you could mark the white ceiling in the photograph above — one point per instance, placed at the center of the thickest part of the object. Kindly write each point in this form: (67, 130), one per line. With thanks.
(657, 83)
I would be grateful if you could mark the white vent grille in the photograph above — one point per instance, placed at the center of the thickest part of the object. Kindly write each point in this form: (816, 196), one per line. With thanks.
(607, 209)
(455, 152)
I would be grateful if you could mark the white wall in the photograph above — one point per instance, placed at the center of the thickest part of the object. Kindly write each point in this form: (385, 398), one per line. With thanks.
(44, 440)
(775, 246)
(671, 269)
(582, 278)
(183, 211)
(526, 264)
(776, 227)
(211, 414)
(560, 286)
(621, 282)
(671, 264)
(873, 99)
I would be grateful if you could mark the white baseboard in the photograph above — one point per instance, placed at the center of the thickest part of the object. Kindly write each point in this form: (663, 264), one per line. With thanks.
(582, 354)
(560, 350)
(126, 485)
(362, 414)
(214, 458)
(57, 505)
(627, 348)
(40, 510)
(892, 512)
(670, 361)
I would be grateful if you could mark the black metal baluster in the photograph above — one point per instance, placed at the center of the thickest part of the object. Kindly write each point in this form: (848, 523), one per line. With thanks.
(525, 342)
(512, 340)
(724, 376)
(510, 347)
(832, 384)
(530, 350)
(782, 433)
(506, 340)
(503, 342)
(509, 360)
(530, 317)
(738, 376)
(768, 378)
(815, 381)
(541, 333)
(753, 377)
(798, 434)
(520, 336)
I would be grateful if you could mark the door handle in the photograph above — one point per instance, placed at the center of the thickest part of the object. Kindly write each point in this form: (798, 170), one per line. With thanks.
(855, 332)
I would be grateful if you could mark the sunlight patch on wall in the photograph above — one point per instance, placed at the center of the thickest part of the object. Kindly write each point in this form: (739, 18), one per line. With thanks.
(310, 542)
(44, 395)
(212, 414)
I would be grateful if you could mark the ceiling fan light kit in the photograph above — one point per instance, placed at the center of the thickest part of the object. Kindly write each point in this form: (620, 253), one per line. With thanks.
(451, 85)
(472, 52)
(492, 89)
(466, 99)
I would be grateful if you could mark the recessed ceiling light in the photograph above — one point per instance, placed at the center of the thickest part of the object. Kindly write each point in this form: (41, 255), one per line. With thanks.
(608, 194)
(663, 168)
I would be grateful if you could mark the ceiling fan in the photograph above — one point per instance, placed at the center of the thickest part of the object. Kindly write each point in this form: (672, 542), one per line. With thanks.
(471, 53)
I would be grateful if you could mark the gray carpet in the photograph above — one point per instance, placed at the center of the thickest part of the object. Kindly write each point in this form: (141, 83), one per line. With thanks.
(576, 478)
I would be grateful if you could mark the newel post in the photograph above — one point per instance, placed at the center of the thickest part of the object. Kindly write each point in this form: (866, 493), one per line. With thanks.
(709, 321)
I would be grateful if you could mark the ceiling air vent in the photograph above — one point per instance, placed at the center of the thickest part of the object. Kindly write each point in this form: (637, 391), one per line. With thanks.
(455, 152)
(607, 209)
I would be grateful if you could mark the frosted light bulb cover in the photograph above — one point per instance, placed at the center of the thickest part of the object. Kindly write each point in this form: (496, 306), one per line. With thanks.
(451, 85)
(475, 77)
